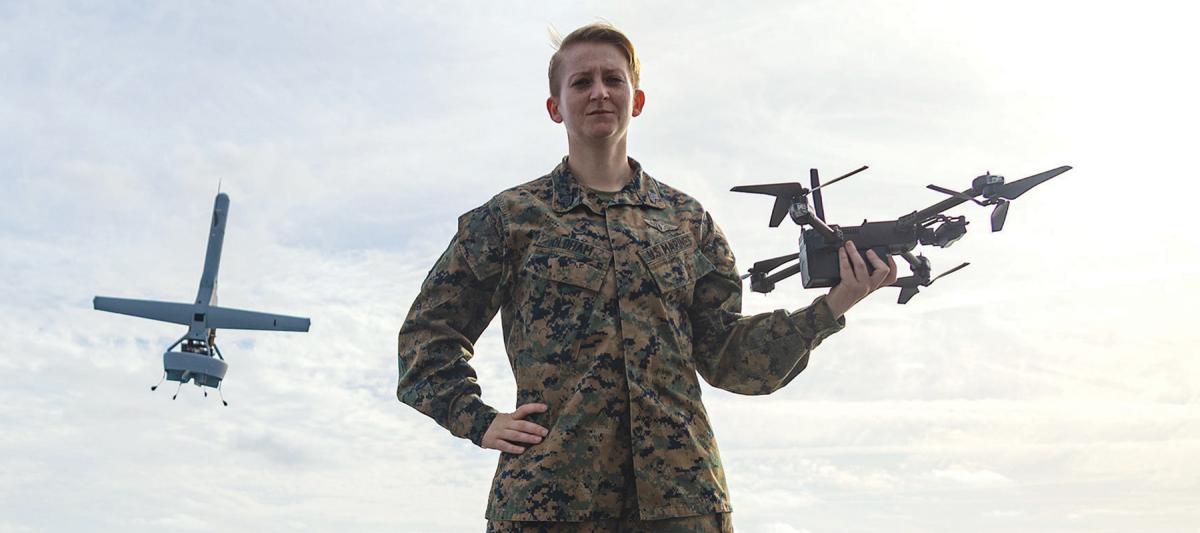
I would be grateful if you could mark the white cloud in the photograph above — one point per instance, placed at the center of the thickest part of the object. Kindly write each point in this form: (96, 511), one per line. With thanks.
(973, 478)
(778, 527)
(1052, 379)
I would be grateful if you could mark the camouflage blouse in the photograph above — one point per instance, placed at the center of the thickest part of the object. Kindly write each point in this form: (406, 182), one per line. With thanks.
(609, 308)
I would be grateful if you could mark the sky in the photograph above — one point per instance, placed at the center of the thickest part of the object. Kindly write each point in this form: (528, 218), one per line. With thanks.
(1050, 386)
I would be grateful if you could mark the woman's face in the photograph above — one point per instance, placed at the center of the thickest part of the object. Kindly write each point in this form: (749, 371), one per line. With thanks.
(596, 98)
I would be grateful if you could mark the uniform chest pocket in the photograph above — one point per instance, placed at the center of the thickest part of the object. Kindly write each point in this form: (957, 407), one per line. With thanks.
(580, 265)
(675, 263)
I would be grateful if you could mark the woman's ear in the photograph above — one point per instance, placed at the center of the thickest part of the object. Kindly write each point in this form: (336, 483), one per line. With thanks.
(552, 109)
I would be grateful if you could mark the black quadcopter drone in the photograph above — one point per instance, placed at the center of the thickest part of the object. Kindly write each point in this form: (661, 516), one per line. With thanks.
(818, 258)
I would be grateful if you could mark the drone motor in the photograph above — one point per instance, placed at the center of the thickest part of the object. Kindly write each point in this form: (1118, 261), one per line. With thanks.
(987, 185)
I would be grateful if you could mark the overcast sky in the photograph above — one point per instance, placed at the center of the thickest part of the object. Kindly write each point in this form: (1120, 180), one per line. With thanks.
(1051, 386)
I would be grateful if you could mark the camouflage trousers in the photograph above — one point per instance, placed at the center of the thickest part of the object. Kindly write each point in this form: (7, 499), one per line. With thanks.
(709, 523)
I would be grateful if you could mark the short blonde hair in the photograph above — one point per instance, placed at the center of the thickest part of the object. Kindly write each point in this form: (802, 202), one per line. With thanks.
(596, 32)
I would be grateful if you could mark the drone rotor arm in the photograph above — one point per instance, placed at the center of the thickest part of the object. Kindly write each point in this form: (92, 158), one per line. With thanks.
(784, 274)
(761, 278)
(911, 259)
(934, 210)
(767, 265)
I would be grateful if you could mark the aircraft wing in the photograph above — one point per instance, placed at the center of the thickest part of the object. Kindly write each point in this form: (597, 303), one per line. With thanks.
(176, 313)
(226, 318)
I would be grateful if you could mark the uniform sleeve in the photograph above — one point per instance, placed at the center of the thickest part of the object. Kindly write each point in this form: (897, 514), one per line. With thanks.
(458, 299)
(756, 354)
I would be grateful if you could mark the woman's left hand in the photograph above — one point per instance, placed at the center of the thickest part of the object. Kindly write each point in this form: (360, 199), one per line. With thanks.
(856, 283)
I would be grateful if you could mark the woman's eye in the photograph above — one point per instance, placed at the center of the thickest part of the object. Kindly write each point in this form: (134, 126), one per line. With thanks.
(614, 79)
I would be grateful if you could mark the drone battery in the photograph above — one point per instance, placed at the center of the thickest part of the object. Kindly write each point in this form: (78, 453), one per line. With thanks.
(816, 268)
(203, 369)
(819, 265)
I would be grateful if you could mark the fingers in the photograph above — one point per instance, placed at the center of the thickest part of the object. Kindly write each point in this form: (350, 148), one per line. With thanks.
(528, 427)
(528, 409)
(856, 281)
(882, 271)
(508, 432)
(508, 447)
(860, 268)
(518, 431)
(512, 435)
(846, 272)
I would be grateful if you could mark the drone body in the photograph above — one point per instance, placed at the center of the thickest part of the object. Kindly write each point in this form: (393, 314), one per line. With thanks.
(817, 259)
(198, 359)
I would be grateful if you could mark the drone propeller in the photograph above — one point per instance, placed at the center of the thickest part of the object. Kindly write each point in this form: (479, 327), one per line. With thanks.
(1001, 194)
(911, 285)
(788, 193)
(906, 293)
(784, 193)
(840, 178)
(947, 273)
(1012, 190)
(998, 215)
(955, 194)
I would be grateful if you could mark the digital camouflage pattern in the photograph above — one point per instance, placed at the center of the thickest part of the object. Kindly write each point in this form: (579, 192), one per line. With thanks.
(609, 308)
(709, 523)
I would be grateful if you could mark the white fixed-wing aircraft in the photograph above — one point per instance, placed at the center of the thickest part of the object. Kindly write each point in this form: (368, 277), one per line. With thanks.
(198, 359)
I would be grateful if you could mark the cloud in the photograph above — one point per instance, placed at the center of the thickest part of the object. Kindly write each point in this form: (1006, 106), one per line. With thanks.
(973, 478)
(778, 527)
(1051, 375)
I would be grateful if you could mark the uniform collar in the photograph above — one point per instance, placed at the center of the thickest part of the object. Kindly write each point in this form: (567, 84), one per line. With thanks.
(568, 193)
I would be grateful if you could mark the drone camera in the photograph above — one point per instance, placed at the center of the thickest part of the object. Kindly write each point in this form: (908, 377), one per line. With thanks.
(949, 232)
(800, 212)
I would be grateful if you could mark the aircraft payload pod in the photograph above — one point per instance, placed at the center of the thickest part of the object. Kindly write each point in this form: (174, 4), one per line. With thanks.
(198, 359)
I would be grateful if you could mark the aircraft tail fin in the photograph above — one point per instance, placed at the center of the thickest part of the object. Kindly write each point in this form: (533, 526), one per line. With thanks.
(176, 313)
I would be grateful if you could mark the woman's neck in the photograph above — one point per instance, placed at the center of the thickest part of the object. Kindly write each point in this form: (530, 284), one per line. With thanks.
(603, 167)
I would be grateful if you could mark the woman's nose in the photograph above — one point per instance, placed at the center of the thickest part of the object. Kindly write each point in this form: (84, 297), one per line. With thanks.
(599, 91)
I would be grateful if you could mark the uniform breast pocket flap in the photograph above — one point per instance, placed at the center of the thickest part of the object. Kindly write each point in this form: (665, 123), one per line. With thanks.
(585, 267)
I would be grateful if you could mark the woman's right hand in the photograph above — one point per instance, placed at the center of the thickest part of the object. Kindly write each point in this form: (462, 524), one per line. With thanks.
(509, 431)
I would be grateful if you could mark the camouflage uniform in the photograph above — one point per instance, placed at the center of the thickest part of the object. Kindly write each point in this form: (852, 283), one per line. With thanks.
(709, 523)
(609, 308)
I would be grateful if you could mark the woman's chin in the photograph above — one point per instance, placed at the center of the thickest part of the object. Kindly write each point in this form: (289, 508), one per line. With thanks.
(600, 134)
